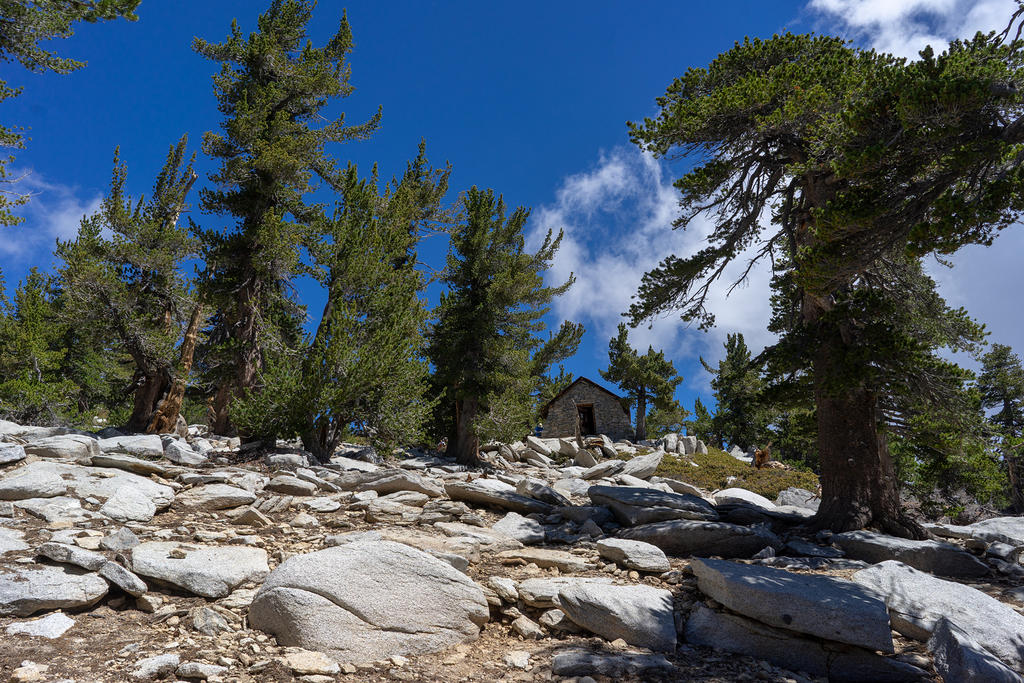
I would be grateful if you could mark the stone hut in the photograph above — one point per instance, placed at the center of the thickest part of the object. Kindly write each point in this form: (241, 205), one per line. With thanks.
(597, 410)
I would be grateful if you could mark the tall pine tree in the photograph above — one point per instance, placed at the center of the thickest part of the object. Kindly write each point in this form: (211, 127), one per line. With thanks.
(272, 89)
(740, 419)
(488, 360)
(1001, 384)
(122, 275)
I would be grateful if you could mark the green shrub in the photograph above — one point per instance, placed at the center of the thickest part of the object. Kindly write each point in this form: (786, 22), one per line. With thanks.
(714, 469)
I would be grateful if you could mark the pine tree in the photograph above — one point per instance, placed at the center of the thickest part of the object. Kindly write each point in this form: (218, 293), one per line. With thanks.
(32, 350)
(740, 419)
(272, 87)
(122, 274)
(855, 160)
(363, 367)
(26, 24)
(1001, 385)
(647, 378)
(488, 362)
(669, 419)
(703, 425)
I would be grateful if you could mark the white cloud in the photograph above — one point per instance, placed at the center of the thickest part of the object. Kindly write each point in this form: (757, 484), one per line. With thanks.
(905, 27)
(53, 212)
(617, 220)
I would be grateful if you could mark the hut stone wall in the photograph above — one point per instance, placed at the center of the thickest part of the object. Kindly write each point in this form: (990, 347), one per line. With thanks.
(609, 417)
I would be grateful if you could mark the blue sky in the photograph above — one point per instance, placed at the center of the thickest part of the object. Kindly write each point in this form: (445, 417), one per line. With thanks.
(529, 98)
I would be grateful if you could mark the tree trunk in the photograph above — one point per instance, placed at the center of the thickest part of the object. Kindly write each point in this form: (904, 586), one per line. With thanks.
(151, 388)
(641, 413)
(858, 481)
(247, 362)
(1015, 472)
(165, 418)
(465, 445)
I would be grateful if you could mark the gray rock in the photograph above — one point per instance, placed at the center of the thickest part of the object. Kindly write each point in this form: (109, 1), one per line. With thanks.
(474, 492)
(123, 579)
(72, 554)
(637, 555)
(392, 481)
(523, 529)
(544, 558)
(802, 547)
(122, 539)
(640, 615)
(10, 541)
(584, 458)
(822, 606)
(533, 488)
(139, 445)
(129, 463)
(670, 442)
(683, 537)
(182, 454)
(366, 601)
(129, 505)
(572, 486)
(678, 486)
(59, 509)
(616, 666)
(26, 590)
(739, 496)
(634, 506)
(200, 670)
(155, 667)
(944, 559)
(797, 497)
(959, 658)
(209, 622)
(101, 483)
(603, 469)
(527, 628)
(505, 588)
(917, 601)
(544, 592)
(209, 571)
(702, 448)
(51, 626)
(493, 541)
(1002, 529)
(65, 447)
(27, 483)
(643, 466)
(538, 445)
(11, 452)
(291, 486)
(837, 662)
(215, 497)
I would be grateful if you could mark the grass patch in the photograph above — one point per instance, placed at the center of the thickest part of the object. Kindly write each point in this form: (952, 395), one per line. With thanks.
(717, 466)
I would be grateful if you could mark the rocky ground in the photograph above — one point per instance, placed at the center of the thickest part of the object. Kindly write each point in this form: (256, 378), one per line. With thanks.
(184, 557)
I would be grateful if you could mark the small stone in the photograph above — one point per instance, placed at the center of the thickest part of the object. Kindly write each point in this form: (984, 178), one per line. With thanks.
(519, 659)
(51, 626)
(156, 667)
(304, 520)
(527, 628)
(148, 603)
(200, 670)
(309, 662)
(208, 621)
(28, 672)
(122, 539)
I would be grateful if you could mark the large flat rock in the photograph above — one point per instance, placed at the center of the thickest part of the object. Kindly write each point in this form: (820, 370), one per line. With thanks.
(935, 557)
(31, 483)
(1002, 529)
(206, 570)
(636, 555)
(27, 590)
(215, 497)
(369, 600)
(822, 606)
(481, 494)
(616, 666)
(684, 537)
(544, 592)
(102, 482)
(634, 506)
(139, 445)
(835, 661)
(640, 615)
(390, 481)
(643, 466)
(545, 558)
(917, 601)
(958, 657)
(64, 447)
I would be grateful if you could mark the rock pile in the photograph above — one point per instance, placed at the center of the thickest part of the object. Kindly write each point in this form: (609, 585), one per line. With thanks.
(142, 557)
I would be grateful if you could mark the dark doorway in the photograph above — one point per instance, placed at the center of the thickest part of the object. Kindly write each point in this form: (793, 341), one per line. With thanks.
(587, 423)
